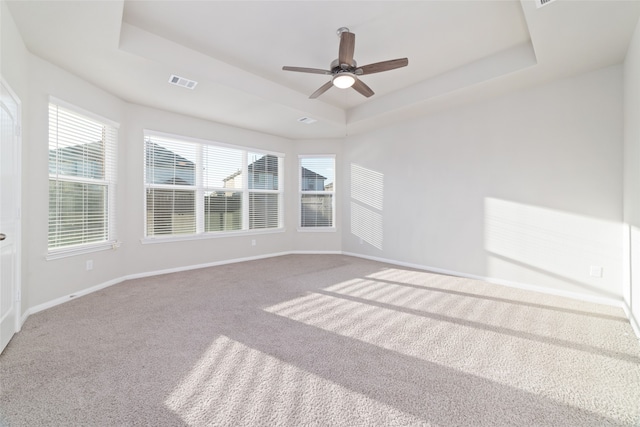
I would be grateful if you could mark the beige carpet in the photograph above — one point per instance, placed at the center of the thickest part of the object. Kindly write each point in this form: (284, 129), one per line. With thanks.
(322, 341)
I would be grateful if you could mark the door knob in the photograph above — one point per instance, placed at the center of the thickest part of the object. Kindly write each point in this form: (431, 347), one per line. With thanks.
(2, 236)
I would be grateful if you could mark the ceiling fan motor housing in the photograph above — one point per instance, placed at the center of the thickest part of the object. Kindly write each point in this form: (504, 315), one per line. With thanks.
(336, 67)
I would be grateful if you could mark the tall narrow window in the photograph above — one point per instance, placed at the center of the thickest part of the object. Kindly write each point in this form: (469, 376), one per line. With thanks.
(170, 174)
(223, 188)
(82, 179)
(264, 190)
(195, 187)
(317, 187)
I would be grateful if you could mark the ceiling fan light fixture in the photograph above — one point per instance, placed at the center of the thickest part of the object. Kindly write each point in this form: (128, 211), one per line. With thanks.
(344, 70)
(344, 80)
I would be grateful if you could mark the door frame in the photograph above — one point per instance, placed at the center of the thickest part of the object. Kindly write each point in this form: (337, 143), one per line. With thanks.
(18, 231)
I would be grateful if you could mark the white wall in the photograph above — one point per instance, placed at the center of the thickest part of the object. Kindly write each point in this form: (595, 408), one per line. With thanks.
(14, 54)
(632, 178)
(526, 188)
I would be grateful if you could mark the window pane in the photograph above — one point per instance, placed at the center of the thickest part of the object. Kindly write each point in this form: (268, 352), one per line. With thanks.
(263, 172)
(263, 210)
(317, 174)
(317, 210)
(169, 162)
(82, 172)
(77, 213)
(170, 212)
(222, 211)
(222, 167)
(76, 144)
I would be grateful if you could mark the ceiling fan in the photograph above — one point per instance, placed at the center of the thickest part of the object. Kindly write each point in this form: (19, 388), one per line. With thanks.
(344, 71)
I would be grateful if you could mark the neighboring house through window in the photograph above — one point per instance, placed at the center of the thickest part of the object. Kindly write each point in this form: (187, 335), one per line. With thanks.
(82, 179)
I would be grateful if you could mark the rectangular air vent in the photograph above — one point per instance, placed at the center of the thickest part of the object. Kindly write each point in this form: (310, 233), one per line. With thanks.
(540, 3)
(181, 81)
(307, 120)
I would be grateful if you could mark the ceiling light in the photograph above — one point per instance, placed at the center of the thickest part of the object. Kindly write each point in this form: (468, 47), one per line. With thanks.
(344, 80)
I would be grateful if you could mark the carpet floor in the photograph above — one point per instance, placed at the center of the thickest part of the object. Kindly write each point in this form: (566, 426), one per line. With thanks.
(330, 340)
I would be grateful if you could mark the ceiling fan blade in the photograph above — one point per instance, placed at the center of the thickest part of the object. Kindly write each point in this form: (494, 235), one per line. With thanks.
(347, 46)
(307, 70)
(383, 66)
(362, 88)
(325, 87)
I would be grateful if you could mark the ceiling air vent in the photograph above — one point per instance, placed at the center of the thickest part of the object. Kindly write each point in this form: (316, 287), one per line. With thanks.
(307, 120)
(540, 3)
(181, 81)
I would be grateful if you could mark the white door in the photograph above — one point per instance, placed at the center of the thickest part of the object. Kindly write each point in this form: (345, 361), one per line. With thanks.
(9, 214)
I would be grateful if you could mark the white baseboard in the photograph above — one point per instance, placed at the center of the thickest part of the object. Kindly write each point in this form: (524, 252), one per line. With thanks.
(37, 308)
(316, 253)
(197, 266)
(562, 293)
(23, 319)
(632, 319)
(557, 292)
(67, 298)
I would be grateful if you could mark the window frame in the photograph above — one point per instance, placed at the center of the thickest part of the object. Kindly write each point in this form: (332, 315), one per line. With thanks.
(109, 181)
(332, 193)
(201, 189)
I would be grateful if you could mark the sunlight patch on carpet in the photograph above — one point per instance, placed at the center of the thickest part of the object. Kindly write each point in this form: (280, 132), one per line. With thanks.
(488, 338)
(265, 391)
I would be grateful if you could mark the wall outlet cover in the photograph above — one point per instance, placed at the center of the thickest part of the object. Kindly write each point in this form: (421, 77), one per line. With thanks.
(595, 271)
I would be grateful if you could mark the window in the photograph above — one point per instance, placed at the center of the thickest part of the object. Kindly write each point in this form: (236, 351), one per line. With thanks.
(317, 202)
(263, 191)
(82, 179)
(195, 187)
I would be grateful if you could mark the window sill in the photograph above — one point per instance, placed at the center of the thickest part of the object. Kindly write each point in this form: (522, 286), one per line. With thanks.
(206, 236)
(79, 250)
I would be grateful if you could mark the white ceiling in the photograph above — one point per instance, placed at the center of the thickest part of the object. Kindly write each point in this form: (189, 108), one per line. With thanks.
(459, 52)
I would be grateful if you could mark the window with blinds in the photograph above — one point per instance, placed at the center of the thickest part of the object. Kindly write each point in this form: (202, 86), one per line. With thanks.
(264, 193)
(317, 201)
(82, 179)
(195, 187)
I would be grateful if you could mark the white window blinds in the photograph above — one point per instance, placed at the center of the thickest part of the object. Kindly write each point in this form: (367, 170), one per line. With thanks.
(223, 185)
(82, 178)
(264, 190)
(170, 174)
(196, 187)
(317, 181)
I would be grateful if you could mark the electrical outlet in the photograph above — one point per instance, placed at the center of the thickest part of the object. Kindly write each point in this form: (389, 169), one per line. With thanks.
(89, 264)
(595, 271)
(253, 242)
